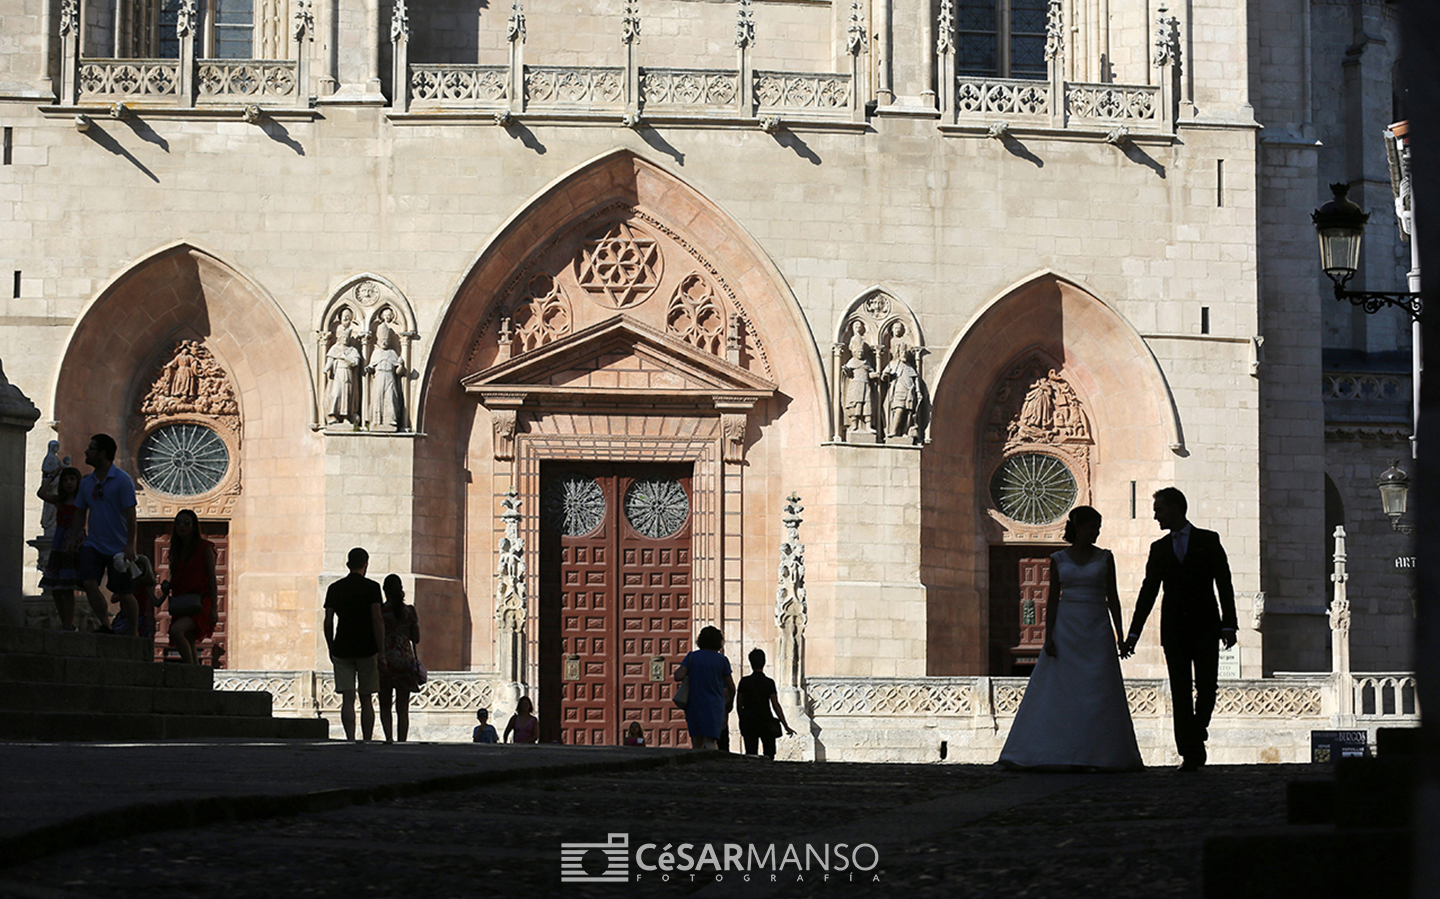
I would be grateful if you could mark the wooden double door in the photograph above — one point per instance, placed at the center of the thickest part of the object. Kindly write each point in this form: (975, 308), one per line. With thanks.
(615, 600)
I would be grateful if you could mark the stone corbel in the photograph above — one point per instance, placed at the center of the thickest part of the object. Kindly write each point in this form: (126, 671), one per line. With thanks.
(734, 421)
(504, 419)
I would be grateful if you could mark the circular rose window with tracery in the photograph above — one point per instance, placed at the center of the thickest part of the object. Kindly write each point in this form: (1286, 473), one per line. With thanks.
(183, 459)
(573, 504)
(657, 507)
(1033, 488)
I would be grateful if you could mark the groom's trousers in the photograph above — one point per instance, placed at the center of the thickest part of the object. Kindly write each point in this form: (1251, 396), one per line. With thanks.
(1194, 666)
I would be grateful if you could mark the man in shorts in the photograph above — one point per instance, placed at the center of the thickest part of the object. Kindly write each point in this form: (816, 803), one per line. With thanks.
(106, 502)
(355, 641)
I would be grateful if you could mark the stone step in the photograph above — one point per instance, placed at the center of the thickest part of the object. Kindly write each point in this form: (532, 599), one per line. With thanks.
(39, 641)
(22, 696)
(42, 668)
(105, 727)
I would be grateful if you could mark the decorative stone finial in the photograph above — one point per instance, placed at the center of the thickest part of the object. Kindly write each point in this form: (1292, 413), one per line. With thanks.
(185, 19)
(855, 39)
(515, 26)
(745, 25)
(630, 23)
(304, 20)
(945, 28)
(1167, 38)
(1054, 31)
(400, 22)
(69, 17)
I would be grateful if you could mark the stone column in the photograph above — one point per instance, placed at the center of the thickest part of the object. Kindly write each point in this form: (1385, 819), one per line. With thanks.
(511, 608)
(304, 39)
(69, 51)
(791, 617)
(400, 70)
(515, 34)
(1340, 634)
(744, 40)
(187, 24)
(17, 418)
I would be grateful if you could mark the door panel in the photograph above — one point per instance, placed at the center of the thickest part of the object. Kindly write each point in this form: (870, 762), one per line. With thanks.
(615, 604)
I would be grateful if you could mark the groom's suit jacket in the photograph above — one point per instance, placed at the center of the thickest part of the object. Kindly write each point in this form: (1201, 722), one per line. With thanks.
(1188, 611)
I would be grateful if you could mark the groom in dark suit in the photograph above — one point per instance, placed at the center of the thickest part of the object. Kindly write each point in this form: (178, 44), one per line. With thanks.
(1190, 565)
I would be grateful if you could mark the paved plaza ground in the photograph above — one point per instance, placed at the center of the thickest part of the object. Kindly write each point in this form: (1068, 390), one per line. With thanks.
(418, 820)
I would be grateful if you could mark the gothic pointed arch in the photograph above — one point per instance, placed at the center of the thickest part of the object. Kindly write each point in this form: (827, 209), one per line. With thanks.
(1049, 398)
(619, 315)
(184, 338)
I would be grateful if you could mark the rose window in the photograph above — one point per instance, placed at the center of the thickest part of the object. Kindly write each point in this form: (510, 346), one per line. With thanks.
(657, 508)
(1033, 488)
(573, 505)
(184, 459)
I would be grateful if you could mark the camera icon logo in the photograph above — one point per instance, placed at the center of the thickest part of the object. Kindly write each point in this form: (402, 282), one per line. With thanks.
(607, 862)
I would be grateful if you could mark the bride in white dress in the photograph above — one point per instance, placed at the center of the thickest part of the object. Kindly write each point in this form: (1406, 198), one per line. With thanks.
(1074, 714)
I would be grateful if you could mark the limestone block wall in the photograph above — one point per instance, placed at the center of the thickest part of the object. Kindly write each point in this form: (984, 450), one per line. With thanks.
(23, 40)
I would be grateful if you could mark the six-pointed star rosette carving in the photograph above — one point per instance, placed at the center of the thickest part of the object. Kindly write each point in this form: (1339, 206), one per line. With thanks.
(622, 264)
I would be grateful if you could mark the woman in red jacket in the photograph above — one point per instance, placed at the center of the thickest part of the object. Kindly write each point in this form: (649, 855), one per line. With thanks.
(192, 586)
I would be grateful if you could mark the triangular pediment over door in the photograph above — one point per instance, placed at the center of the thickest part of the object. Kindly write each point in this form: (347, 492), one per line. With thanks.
(619, 364)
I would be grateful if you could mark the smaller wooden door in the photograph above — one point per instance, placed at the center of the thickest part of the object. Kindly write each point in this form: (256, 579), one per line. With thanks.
(1019, 594)
(211, 651)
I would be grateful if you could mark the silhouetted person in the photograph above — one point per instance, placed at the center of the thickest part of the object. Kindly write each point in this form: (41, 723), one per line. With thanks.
(192, 588)
(712, 688)
(401, 674)
(755, 698)
(355, 641)
(1190, 565)
(105, 511)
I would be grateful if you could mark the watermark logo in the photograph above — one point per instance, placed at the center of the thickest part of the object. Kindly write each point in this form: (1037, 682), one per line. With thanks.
(607, 862)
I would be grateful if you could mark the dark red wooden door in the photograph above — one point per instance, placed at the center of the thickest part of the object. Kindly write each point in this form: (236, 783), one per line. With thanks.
(615, 613)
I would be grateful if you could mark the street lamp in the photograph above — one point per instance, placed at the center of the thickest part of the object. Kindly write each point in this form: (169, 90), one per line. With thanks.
(1341, 224)
(1394, 487)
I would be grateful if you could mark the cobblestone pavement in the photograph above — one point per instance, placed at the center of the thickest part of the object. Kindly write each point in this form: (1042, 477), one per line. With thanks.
(936, 830)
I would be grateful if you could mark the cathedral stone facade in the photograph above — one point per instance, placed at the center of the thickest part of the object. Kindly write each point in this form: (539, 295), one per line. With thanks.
(552, 310)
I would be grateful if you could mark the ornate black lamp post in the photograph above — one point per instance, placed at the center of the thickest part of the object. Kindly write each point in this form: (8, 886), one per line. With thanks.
(1341, 225)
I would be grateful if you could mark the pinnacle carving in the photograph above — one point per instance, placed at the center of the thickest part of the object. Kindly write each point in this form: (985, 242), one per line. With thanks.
(1054, 31)
(745, 25)
(515, 26)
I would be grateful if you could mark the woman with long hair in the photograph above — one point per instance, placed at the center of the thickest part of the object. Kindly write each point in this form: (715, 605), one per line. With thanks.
(192, 589)
(400, 677)
(61, 577)
(1075, 715)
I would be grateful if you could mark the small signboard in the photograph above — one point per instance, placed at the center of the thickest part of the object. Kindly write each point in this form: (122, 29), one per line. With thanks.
(1230, 663)
(1330, 745)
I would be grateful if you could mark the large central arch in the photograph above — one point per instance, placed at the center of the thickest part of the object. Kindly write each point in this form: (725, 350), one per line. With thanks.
(762, 390)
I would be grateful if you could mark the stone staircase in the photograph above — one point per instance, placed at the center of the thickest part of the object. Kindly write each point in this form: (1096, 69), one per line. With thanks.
(58, 686)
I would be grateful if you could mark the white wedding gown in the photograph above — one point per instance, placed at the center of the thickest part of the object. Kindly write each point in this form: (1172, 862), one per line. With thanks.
(1074, 714)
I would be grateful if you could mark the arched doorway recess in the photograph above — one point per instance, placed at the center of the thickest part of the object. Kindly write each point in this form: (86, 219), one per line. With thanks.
(621, 328)
(1100, 420)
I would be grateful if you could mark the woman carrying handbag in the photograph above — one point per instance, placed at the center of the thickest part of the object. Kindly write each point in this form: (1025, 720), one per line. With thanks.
(403, 674)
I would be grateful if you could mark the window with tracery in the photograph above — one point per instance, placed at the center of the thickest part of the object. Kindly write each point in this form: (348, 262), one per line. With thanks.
(1002, 38)
(227, 28)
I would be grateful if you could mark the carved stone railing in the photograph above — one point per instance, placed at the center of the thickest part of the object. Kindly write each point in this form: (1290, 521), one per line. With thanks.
(1124, 104)
(1386, 698)
(961, 697)
(117, 80)
(443, 691)
(803, 92)
(246, 80)
(292, 692)
(459, 86)
(1344, 385)
(1001, 96)
(582, 87)
(689, 88)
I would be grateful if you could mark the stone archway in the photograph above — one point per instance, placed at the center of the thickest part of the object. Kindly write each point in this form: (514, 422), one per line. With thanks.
(619, 318)
(1130, 434)
(181, 300)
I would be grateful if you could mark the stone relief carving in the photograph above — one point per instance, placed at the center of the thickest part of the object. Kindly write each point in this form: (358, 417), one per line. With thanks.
(186, 429)
(510, 594)
(791, 614)
(540, 314)
(363, 358)
(619, 265)
(733, 425)
(1037, 429)
(697, 316)
(878, 359)
(190, 381)
(540, 294)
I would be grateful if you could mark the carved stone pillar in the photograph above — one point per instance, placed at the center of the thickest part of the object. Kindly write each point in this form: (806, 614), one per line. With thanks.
(630, 37)
(304, 40)
(515, 33)
(1055, 61)
(945, 54)
(69, 51)
(884, 83)
(1167, 62)
(17, 418)
(400, 71)
(1340, 631)
(857, 45)
(744, 40)
(791, 617)
(511, 608)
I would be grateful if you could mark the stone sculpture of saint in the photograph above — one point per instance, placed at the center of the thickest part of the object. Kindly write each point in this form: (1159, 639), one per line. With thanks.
(902, 400)
(385, 328)
(183, 380)
(49, 470)
(1037, 413)
(341, 361)
(859, 405)
(388, 370)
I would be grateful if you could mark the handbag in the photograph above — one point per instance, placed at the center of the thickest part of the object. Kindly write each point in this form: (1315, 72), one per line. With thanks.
(682, 695)
(421, 672)
(184, 604)
(773, 728)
